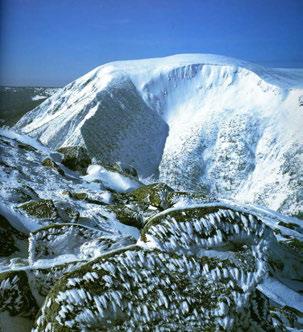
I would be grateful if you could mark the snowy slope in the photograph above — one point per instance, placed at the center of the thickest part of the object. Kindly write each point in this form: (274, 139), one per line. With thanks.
(205, 122)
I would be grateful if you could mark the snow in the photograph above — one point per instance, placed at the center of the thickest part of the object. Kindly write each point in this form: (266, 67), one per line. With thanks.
(51, 262)
(49, 184)
(112, 180)
(204, 122)
(281, 294)
(38, 97)
(17, 220)
(24, 139)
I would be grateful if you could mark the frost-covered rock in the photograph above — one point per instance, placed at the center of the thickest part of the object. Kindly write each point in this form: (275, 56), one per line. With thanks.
(135, 207)
(41, 209)
(21, 194)
(48, 162)
(204, 267)
(35, 196)
(61, 239)
(71, 242)
(76, 158)
(141, 289)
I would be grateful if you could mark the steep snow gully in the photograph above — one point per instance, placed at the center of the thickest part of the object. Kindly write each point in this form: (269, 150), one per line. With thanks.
(197, 122)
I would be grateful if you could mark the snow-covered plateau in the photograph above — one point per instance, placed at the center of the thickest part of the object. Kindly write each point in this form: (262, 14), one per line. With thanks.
(198, 122)
(156, 195)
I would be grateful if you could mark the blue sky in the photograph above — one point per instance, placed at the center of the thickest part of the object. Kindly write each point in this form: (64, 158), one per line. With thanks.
(52, 42)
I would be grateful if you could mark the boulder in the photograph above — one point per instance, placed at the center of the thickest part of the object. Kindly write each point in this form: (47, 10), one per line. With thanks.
(48, 162)
(75, 158)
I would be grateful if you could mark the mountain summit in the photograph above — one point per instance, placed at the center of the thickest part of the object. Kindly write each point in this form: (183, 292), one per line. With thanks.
(197, 122)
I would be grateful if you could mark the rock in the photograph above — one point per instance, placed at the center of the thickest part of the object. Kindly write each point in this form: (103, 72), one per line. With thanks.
(75, 158)
(208, 227)
(83, 196)
(135, 207)
(123, 169)
(22, 194)
(51, 164)
(9, 238)
(79, 196)
(99, 246)
(154, 194)
(26, 147)
(67, 213)
(289, 225)
(298, 215)
(133, 289)
(175, 196)
(41, 209)
(15, 295)
(296, 245)
(59, 239)
(76, 241)
(128, 216)
(43, 279)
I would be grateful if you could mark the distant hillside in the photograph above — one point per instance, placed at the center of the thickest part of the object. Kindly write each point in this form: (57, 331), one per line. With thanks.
(16, 101)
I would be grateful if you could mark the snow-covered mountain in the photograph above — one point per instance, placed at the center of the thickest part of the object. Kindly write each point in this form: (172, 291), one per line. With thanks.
(198, 122)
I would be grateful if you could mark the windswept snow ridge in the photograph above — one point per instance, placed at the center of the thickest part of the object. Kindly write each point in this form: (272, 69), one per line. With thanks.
(199, 122)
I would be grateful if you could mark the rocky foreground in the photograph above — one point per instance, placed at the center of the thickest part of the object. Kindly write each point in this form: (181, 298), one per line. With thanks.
(89, 247)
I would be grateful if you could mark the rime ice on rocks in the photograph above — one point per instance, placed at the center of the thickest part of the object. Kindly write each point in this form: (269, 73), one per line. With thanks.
(195, 268)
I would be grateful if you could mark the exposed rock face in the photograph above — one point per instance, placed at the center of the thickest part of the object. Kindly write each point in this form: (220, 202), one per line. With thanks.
(135, 207)
(125, 169)
(123, 128)
(155, 195)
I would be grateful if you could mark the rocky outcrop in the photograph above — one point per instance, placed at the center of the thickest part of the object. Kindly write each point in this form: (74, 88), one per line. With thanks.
(75, 158)
(48, 162)
(41, 209)
(200, 268)
(135, 207)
